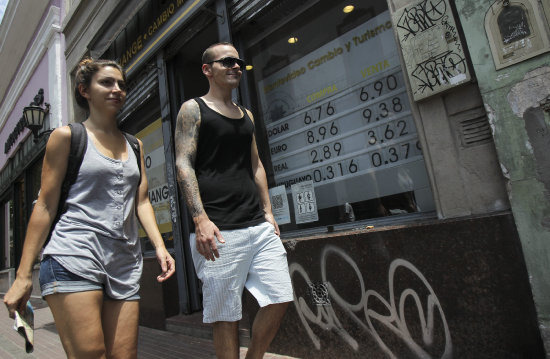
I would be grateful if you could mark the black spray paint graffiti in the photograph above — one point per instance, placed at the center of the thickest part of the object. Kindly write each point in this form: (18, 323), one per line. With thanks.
(434, 52)
(325, 317)
(451, 34)
(421, 17)
(443, 69)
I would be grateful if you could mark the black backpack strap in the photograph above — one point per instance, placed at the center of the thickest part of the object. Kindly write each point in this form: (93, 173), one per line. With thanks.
(133, 141)
(79, 143)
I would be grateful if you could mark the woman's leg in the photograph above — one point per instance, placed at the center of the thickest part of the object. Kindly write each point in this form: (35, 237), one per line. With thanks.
(78, 320)
(120, 327)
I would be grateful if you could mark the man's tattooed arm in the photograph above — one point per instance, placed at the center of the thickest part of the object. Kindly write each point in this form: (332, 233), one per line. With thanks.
(186, 139)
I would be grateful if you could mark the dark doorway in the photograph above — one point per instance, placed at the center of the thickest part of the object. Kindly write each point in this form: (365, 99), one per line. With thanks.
(186, 81)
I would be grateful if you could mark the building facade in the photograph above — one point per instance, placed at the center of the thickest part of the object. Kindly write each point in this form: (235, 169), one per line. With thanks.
(33, 71)
(513, 72)
(405, 146)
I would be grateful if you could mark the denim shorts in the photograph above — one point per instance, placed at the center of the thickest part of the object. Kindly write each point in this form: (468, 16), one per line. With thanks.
(54, 278)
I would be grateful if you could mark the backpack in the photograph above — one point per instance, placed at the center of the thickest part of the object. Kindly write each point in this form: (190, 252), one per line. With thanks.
(79, 143)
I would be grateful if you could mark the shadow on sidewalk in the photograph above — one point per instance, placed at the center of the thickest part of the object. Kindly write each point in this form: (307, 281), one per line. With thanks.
(152, 343)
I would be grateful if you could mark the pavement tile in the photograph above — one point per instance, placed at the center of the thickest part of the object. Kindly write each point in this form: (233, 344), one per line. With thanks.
(152, 343)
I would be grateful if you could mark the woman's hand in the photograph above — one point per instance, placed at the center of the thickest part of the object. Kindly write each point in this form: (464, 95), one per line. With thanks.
(17, 296)
(54, 168)
(167, 264)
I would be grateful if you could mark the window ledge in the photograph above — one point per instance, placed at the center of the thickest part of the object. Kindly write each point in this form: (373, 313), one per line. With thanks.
(376, 225)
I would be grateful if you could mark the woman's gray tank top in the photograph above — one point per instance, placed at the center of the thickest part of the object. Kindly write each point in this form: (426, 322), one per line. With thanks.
(97, 237)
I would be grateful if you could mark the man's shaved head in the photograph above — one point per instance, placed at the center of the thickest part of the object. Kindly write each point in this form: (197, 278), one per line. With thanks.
(208, 54)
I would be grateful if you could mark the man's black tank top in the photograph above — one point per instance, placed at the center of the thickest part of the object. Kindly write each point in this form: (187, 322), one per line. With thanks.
(223, 167)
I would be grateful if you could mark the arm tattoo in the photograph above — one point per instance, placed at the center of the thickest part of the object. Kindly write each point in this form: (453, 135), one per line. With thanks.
(186, 139)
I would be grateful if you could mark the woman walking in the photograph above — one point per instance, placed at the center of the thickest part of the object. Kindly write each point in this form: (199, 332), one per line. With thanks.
(91, 267)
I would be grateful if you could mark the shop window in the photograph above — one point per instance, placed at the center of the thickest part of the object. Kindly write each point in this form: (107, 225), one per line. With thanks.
(32, 181)
(34, 174)
(145, 123)
(155, 168)
(333, 122)
(7, 252)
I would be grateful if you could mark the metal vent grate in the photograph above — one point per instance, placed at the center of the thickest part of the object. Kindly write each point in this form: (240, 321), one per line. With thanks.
(242, 11)
(475, 131)
(263, 12)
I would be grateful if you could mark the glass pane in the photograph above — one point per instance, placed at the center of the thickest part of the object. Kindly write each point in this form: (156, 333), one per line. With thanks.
(145, 123)
(4, 242)
(155, 168)
(513, 24)
(11, 237)
(334, 124)
(34, 177)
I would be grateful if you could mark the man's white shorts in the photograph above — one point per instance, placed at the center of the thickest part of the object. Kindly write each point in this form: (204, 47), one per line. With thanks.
(252, 257)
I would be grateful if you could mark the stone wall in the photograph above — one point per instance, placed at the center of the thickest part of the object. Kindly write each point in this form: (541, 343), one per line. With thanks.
(442, 289)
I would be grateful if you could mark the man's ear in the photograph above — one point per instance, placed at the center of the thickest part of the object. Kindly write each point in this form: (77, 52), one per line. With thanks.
(207, 70)
(83, 91)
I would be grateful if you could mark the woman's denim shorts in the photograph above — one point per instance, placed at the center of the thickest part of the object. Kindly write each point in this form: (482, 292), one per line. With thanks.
(54, 278)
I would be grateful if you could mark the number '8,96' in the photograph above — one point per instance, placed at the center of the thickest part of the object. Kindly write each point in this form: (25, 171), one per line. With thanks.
(321, 133)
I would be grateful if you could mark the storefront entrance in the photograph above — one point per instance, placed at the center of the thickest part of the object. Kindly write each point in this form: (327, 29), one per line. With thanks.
(186, 81)
(161, 49)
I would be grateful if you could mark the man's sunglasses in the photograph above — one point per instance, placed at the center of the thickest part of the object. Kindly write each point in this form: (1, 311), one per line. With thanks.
(229, 62)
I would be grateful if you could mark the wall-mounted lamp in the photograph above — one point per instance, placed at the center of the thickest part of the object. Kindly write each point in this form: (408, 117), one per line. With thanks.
(34, 115)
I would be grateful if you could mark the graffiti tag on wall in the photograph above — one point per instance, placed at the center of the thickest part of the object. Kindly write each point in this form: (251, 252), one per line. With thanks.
(364, 313)
(432, 50)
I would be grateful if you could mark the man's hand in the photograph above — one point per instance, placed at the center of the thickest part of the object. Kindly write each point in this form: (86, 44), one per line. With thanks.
(269, 217)
(206, 234)
(167, 264)
(17, 296)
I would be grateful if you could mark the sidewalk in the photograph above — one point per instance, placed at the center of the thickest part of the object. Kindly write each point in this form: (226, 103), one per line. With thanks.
(152, 343)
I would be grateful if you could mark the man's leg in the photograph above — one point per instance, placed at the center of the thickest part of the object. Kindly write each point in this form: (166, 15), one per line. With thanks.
(269, 282)
(226, 340)
(265, 326)
(222, 286)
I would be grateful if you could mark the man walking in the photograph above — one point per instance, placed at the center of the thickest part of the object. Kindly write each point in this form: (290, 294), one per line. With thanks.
(236, 242)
